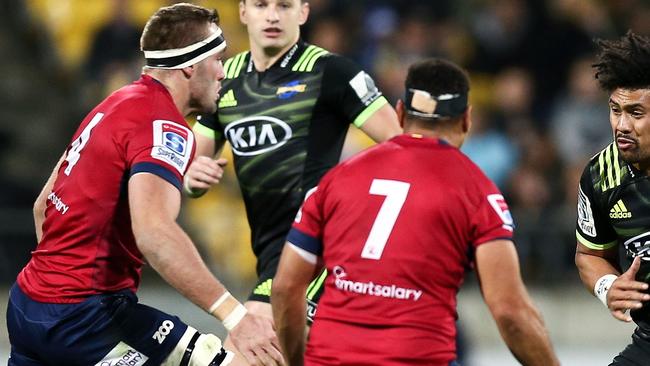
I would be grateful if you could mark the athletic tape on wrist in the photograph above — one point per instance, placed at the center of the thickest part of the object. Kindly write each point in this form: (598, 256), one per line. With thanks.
(219, 301)
(602, 287)
(234, 317)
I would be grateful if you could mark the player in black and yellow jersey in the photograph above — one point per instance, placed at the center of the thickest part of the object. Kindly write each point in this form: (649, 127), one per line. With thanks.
(285, 109)
(613, 226)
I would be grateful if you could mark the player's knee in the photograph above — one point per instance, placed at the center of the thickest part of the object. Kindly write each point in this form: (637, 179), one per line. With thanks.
(196, 349)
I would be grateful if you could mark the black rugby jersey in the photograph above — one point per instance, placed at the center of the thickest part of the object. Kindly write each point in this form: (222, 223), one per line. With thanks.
(614, 209)
(286, 127)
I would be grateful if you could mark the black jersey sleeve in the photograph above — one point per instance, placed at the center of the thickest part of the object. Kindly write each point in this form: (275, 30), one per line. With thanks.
(208, 125)
(593, 228)
(351, 90)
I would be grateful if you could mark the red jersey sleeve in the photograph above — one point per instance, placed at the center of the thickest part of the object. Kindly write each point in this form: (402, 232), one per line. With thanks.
(307, 230)
(492, 219)
(161, 147)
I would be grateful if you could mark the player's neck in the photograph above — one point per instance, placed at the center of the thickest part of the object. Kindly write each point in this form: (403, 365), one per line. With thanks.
(178, 90)
(643, 167)
(264, 58)
(451, 137)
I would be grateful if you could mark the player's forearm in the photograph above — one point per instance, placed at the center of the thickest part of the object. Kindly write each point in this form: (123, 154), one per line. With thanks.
(592, 267)
(172, 254)
(289, 313)
(523, 331)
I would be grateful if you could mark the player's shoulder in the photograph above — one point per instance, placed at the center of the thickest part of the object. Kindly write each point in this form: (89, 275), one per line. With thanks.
(315, 59)
(606, 169)
(141, 101)
(309, 58)
(234, 65)
(132, 99)
(471, 170)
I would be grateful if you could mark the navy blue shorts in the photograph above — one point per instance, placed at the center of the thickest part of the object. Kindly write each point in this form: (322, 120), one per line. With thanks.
(104, 330)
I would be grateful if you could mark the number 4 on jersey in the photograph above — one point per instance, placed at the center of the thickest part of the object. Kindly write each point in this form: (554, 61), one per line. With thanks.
(79, 143)
(395, 192)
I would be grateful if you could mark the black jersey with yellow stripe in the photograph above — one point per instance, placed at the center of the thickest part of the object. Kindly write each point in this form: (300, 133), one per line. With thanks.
(286, 127)
(614, 205)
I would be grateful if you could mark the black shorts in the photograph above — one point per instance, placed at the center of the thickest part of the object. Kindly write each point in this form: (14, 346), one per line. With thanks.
(636, 353)
(262, 290)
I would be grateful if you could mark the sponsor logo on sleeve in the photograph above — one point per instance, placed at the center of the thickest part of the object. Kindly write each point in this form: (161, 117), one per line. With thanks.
(585, 216)
(172, 143)
(365, 87)
(123, 355)
(500, 206)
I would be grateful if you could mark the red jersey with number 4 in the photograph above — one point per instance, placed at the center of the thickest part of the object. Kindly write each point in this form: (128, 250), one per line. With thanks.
(88, 245)
(396, 227)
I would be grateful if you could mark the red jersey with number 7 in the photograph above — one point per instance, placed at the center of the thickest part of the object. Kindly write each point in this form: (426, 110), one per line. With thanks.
(396, 227)
(88, 245)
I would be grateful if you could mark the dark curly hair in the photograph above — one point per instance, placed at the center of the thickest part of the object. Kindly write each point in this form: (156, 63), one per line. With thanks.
(437, 76)
(623, 63)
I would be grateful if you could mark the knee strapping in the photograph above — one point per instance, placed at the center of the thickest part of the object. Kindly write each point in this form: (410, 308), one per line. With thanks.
(196, 349)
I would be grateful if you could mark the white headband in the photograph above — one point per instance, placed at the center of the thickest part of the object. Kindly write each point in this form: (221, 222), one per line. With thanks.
(178, 58)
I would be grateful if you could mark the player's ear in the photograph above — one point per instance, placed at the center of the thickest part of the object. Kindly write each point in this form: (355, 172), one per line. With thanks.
(304, 12)
(467, 119)
(242, 12)
(188, 71)
(399, 109)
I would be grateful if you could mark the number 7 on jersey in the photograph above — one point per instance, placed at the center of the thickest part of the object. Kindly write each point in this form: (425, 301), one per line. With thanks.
(395, 192)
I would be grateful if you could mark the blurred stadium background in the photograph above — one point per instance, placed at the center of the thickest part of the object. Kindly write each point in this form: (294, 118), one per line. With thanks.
(539, 116)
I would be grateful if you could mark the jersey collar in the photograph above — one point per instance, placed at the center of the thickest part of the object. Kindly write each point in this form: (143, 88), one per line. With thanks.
(417, 139)
(287, 60)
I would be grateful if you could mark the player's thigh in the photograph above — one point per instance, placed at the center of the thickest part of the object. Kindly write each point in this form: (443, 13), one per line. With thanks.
(262, 289)
(314, 292)
(636, 353)
(18, 359)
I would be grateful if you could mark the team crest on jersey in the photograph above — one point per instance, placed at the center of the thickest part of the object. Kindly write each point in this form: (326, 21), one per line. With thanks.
(365, 87)
(290, 89)
(585, 216)
(172, 143)
(500, 206)
(257, 135)
(123, 355)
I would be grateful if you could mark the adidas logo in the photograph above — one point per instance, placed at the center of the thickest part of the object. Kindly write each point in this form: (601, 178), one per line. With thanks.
(619, 211)
(228, 100)
(264, 288)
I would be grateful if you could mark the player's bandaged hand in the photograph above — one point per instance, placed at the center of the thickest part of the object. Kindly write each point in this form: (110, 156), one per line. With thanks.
(626, 293)
(203, 173)
(253, 335)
